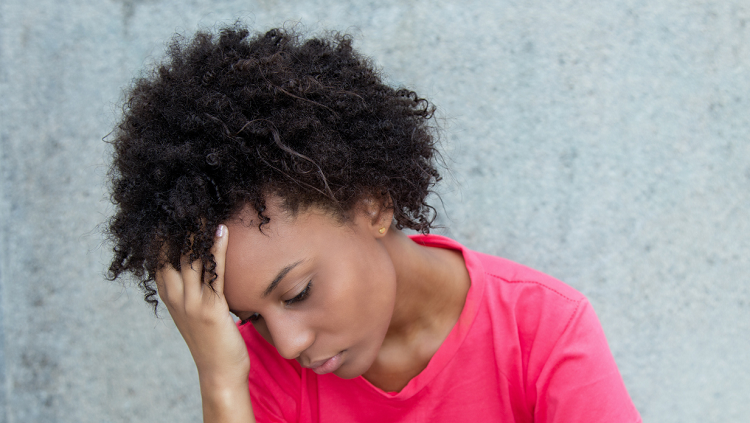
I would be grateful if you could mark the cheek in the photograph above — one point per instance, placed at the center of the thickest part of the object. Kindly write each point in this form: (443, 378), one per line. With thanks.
(383, 298)
(376, 292)
(359, 296)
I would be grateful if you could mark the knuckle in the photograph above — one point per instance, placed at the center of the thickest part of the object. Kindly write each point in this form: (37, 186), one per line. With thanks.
(194, 309)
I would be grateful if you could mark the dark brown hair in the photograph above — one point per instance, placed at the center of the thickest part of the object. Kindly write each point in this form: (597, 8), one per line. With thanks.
(228, 119)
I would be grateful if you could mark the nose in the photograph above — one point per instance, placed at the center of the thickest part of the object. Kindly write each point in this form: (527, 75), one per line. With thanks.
(290, 334)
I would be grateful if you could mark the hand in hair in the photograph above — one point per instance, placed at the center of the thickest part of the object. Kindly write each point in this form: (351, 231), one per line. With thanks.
(201, 314)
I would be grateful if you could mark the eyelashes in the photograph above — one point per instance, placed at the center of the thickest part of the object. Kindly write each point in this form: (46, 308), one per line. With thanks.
(299, 297)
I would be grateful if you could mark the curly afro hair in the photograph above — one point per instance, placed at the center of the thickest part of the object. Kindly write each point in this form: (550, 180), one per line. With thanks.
(229, 119)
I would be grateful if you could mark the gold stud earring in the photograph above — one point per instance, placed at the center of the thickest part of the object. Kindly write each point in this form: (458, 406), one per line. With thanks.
(381, 230)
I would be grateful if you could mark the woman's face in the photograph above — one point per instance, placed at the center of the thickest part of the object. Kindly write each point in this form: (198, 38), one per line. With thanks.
(320, 291)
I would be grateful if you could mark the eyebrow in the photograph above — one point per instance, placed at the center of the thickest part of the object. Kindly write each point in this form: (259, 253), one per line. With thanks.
(278, 278)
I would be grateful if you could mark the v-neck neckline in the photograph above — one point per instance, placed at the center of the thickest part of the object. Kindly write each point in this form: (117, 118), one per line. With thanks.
(452, 342)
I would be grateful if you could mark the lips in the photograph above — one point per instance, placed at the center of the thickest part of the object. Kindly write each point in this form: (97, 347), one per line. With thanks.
(327, 366)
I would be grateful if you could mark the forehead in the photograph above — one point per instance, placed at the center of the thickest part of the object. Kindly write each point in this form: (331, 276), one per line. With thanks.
(254, 257)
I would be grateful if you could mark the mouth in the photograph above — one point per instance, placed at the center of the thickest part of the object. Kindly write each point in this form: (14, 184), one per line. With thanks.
(327, 366)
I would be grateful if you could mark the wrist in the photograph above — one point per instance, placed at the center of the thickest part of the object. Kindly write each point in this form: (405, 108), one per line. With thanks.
(223, 383)
(226, 401)
(223, 394)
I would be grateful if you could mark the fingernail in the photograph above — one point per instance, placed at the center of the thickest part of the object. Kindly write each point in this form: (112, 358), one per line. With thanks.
(220, 231)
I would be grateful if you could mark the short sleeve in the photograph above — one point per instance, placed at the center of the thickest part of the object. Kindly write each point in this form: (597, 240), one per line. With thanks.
(579, 381)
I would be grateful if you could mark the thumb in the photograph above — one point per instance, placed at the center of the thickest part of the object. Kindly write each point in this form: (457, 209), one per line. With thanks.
(219, 250)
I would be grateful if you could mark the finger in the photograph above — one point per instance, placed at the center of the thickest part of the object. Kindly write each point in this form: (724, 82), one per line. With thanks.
(219, 250)
(191, 277)
(169, 284)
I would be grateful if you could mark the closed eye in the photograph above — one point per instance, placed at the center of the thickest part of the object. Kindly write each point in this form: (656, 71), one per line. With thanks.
(301, 296)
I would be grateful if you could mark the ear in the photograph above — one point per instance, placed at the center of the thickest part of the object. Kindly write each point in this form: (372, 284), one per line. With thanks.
(377, 214)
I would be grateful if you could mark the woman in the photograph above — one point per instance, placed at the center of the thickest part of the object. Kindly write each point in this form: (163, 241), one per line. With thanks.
(270, 177)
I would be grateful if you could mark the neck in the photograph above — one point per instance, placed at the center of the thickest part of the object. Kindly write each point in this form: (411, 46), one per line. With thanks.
(432, 284)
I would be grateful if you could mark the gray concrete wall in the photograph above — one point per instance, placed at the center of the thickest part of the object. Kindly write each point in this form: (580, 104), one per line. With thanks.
(605, 143)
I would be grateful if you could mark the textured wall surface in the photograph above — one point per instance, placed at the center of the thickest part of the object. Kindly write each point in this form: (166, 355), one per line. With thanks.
(604, 143)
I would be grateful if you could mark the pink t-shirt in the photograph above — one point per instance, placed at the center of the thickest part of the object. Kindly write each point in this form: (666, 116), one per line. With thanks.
(526, 348)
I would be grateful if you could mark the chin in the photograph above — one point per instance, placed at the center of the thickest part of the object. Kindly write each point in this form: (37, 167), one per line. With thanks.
(348, 372)
(353, 366)
(346, 375)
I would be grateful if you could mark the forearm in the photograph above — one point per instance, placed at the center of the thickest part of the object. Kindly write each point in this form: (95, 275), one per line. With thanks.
(226, 404)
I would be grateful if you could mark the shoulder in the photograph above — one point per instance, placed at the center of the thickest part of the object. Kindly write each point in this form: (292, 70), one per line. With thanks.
(511, 276)
(513, 293)
(552, 329)
(502, 273)
(531, 299)
(534, 308)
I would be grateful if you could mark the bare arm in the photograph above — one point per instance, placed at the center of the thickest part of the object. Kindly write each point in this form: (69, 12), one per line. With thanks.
(202, 317)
